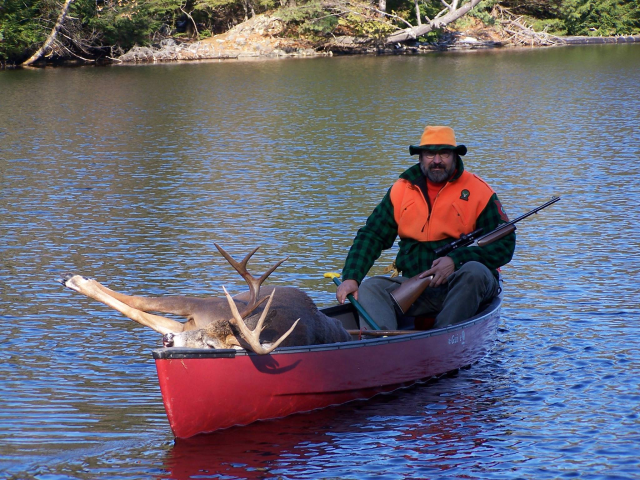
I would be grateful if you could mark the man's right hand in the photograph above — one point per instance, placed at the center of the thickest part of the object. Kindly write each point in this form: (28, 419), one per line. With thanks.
(345, 288)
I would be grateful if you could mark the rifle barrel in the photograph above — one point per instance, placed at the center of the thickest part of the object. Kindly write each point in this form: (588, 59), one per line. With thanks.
(476, 237)
(516, 220)
(535, 210)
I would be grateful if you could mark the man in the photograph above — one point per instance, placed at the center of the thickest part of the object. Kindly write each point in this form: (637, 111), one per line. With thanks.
(430, 205)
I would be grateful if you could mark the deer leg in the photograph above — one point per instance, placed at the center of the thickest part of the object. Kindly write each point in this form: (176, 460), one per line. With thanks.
(177, 305)
(91, 289)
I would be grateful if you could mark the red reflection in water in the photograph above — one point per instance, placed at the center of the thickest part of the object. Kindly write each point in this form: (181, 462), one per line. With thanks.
(250, 451)
(433, 429)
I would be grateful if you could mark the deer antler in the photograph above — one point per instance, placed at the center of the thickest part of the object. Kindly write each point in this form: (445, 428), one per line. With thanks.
(252, 337)
(254, 283)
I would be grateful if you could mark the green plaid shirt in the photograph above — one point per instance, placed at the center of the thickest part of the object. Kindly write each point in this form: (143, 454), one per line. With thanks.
(414, 257)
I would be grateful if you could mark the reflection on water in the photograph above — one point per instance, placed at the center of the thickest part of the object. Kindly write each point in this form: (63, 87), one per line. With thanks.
(130, 174)
(374, 428)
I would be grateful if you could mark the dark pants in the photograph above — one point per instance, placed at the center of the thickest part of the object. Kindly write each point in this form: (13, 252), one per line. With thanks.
(457, 300)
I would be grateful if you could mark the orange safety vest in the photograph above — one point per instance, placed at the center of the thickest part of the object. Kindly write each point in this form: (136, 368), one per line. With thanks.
(454, 211)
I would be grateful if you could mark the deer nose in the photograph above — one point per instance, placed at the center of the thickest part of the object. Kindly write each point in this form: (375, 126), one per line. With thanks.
(167, 340)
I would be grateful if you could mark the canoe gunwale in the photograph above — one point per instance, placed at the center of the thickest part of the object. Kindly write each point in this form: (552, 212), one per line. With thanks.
(184, 353)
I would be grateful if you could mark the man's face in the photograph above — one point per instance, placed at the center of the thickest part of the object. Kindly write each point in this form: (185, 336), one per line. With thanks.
(439, 166)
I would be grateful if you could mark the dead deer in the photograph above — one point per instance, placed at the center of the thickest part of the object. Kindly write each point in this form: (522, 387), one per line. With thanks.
(290, 318)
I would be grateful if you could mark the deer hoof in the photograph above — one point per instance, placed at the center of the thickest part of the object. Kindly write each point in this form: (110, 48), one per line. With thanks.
(65, 278)
(74, 282)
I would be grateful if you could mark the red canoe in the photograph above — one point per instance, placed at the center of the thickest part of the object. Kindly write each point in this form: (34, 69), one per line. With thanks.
(206, 389)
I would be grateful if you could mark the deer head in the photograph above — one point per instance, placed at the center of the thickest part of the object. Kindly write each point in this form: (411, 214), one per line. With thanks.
(221, 336)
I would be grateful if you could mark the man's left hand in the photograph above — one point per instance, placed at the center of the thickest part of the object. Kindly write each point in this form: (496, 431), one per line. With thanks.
(441, 268)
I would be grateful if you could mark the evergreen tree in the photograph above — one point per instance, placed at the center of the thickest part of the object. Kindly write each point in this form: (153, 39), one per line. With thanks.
(601, 17)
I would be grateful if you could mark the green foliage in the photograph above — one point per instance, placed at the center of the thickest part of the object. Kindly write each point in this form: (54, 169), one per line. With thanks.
(538, 9)
(554, 26)
(258, 5)
(22, 28)
(364, 26)
(602, 17)
(433, 36)
(119, 23)
(482, 11)
(310, 18)
(430, 8)
(320, 26)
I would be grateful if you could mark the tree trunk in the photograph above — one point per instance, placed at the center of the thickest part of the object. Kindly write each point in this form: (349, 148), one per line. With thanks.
(192, 29)
(382, 5)
(415, 32)
(52, 36)
(418, 12)
(245, 7)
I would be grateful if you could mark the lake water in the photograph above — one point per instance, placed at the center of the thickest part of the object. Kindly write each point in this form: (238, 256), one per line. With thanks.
(130, 174)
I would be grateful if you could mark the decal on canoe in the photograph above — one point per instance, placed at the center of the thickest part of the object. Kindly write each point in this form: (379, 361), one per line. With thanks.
(457, 338)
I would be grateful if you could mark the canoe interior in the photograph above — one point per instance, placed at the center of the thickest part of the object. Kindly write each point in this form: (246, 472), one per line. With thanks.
(348, 316)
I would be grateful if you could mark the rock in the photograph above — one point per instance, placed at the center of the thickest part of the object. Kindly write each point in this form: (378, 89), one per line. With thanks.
(168, 42)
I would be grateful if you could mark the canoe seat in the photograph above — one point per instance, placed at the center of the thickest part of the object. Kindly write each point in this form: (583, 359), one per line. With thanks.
(424, 323)
(415, 323)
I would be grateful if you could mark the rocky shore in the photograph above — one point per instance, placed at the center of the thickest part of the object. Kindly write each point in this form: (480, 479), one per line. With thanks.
(257, 37)
(261, 37)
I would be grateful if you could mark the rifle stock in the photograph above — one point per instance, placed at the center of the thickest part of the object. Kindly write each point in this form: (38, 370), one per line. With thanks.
(407, 293)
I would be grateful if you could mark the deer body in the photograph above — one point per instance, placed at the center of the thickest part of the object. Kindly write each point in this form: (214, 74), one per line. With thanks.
(289, 305)
(289, 318)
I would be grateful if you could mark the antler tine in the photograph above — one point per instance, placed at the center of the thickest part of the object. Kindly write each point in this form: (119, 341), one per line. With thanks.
(250, 308)
(241, 268)
(252, 337)
(271, 270)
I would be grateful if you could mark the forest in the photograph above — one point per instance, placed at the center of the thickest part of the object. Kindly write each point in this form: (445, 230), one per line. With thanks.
(38, 31)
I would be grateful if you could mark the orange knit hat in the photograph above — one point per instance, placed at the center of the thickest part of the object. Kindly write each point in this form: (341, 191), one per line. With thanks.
(438, 138)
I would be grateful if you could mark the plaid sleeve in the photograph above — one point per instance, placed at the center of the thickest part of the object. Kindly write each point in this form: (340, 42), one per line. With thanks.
(495, 254)
(378, 234)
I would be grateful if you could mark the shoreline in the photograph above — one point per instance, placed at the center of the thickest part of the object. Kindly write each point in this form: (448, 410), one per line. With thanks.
(258, 39)
(262, 38)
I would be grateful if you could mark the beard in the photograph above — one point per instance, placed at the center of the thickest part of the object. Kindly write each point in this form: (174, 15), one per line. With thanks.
(440, 174)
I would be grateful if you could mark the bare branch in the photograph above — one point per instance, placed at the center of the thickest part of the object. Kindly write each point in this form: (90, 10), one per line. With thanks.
(73, 54)
(520, 32)
(390, 15)
(192, 20)
(415, 32)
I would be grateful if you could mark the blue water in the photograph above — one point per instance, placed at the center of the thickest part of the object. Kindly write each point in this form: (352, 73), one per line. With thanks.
(129, 174)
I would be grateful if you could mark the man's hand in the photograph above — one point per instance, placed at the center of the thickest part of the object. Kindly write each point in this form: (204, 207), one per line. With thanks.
(441, 268)
(345, 288)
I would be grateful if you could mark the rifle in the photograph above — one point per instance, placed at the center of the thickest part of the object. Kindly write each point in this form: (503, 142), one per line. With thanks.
(409, 291)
